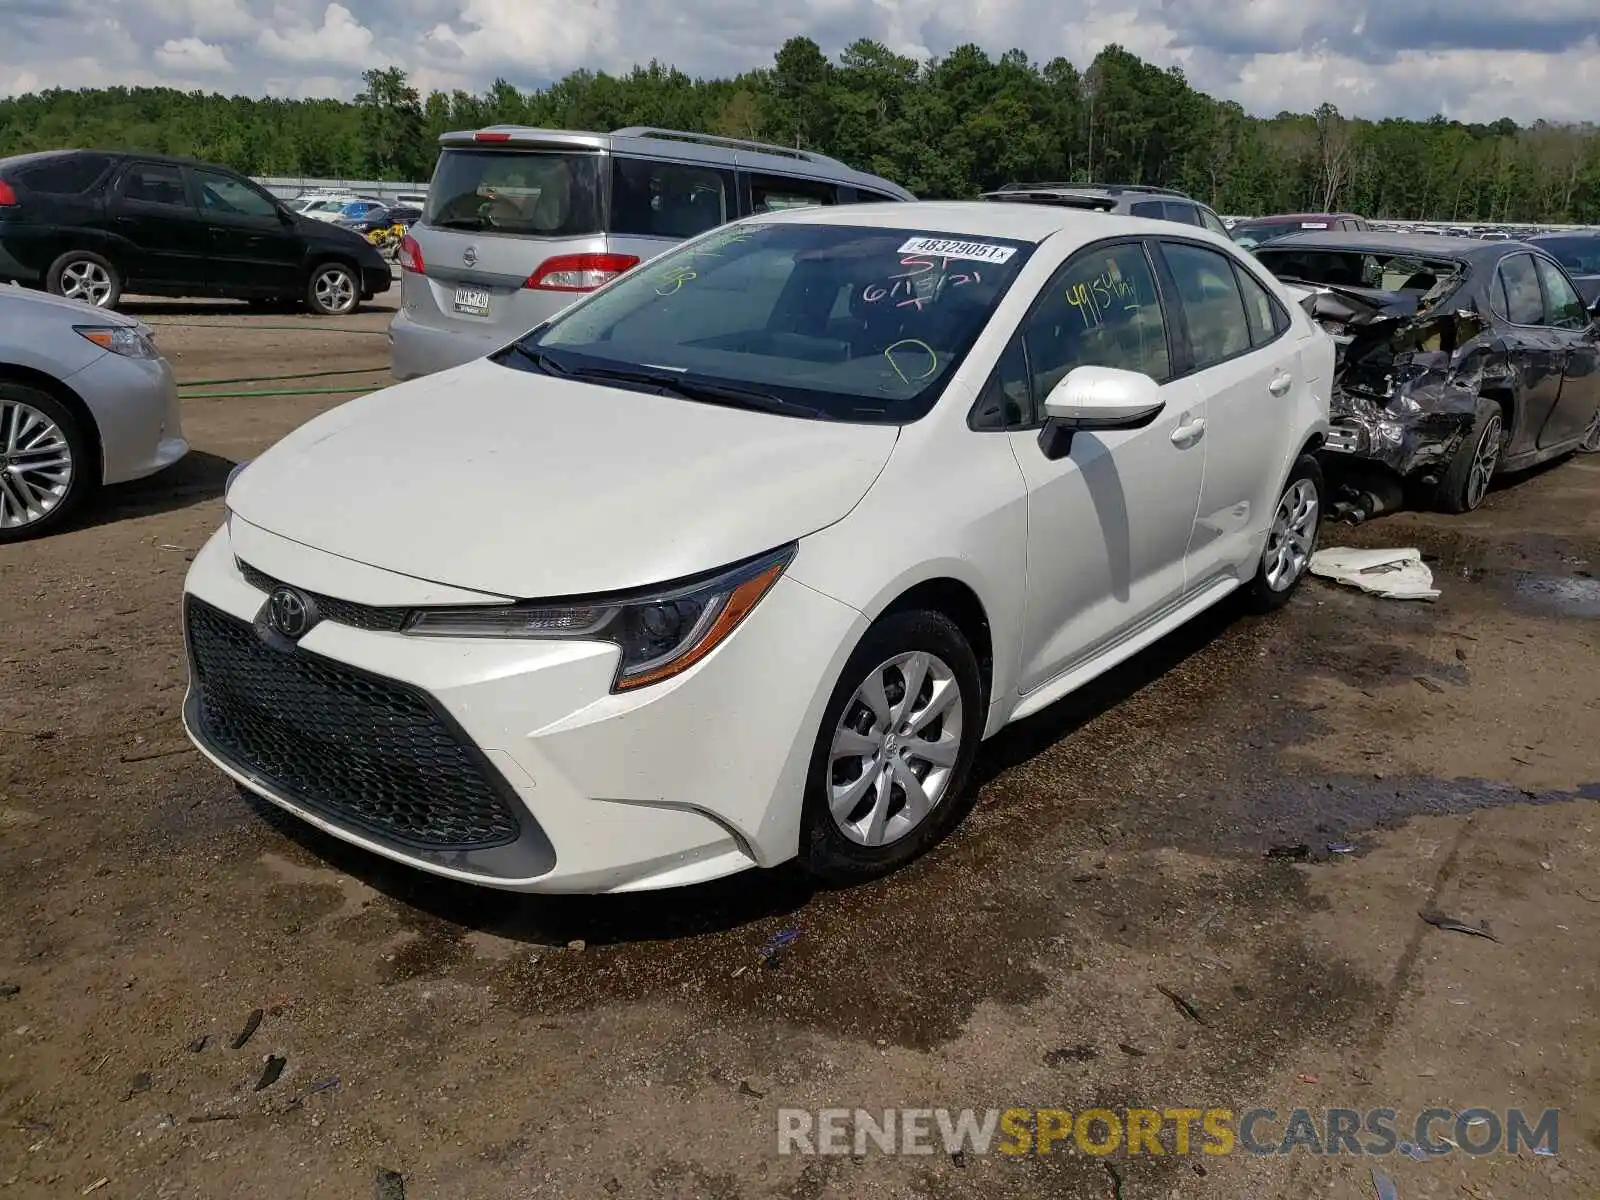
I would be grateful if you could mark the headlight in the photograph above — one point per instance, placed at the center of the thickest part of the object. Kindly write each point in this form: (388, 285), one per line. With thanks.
(119, 339)
(660, 633)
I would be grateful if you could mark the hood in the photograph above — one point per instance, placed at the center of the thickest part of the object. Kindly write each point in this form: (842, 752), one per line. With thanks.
(77, 311)
(527, 486)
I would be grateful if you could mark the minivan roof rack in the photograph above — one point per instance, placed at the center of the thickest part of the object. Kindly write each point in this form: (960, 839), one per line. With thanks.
(708, 139)
(1109, 189)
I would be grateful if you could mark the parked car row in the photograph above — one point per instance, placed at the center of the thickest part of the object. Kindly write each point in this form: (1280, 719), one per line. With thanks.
(91, 225)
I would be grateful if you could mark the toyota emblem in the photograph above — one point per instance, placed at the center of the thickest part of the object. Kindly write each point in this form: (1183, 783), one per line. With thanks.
(470, 256)
(289, 612)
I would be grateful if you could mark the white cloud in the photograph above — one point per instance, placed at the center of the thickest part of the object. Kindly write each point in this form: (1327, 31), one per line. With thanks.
(340, 39)
(192, 54)
(1471, 59)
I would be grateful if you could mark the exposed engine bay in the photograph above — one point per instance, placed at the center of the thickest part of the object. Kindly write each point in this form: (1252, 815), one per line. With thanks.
(1410, 366)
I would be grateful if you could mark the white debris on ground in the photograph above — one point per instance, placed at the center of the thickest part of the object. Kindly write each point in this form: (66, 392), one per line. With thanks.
(1392, 574)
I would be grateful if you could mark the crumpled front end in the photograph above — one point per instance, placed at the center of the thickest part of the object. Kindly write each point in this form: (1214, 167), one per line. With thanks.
(1406, 386)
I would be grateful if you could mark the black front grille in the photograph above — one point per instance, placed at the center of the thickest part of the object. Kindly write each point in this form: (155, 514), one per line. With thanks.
(331, 608)
(361, 749)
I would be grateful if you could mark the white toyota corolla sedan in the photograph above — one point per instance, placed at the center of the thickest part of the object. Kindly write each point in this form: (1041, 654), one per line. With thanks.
(738, 559)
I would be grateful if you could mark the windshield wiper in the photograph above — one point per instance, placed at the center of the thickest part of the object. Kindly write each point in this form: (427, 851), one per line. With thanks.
(537, 359)
(709, 393)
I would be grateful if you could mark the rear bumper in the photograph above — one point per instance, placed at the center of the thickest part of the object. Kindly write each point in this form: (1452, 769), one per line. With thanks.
(12, 268)
(375, 281)
(417, 350)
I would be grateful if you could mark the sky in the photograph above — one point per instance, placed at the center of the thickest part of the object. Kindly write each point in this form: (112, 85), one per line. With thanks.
(1473, 60)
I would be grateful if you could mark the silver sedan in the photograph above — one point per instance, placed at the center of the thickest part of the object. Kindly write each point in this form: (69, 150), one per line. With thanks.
(85, 399)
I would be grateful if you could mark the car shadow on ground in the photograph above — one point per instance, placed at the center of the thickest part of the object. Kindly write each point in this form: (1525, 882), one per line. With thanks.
(193, 479)
(739, 900)
(144, 308)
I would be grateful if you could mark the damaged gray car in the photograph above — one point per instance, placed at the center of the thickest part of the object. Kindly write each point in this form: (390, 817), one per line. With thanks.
(1459, 359)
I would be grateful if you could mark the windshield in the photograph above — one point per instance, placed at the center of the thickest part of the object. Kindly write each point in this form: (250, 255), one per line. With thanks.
(541, 193)
(850, 322)
(1580, 255)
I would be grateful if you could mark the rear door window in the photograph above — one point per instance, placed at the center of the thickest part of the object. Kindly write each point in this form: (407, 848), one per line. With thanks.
(155, 183)
(540, 193)
(66, 175)
(1213, 222)
(1212, 306)
(774, 193)
(668, 200)
(1184, 214)
(1266, 316)
(1148, 208)
(1524, 300)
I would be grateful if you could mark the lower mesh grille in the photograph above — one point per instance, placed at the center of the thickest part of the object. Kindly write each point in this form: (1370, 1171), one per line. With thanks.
(365, 751)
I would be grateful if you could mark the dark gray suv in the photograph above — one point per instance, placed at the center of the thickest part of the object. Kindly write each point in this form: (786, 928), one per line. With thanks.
(1128, 200)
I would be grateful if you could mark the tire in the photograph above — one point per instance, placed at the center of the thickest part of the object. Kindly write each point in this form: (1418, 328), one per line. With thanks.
(80, 275)
(898, 644)
(334, 290)
(1466, 480)
(44, 484)
(1591, 437)
(1291, 539)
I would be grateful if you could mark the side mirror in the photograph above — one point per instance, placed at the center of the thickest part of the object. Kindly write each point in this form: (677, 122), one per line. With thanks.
(1097, 398)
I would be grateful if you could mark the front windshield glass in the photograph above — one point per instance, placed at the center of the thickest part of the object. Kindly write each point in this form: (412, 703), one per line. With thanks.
(849, 322)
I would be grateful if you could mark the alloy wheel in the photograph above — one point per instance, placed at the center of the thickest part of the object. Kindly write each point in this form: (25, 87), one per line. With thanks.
(1485, 457)
(88, 281)
(335, 290)
(1293, 535)
(35, 465)
(1591, 437)
(895, 749)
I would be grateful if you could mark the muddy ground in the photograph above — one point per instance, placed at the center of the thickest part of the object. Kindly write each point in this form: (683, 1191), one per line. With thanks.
(1118, 845)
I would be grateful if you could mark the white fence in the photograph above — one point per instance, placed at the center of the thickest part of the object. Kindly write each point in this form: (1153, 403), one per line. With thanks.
(287, 189)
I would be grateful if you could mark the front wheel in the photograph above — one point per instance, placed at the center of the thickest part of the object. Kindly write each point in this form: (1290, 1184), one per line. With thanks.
(1591, 437)
(1292, 538)
(333, 291)
(896, 745)
(44, 462)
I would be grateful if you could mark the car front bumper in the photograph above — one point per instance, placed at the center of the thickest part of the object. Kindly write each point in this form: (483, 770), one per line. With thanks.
(513, 742)
(134, 402)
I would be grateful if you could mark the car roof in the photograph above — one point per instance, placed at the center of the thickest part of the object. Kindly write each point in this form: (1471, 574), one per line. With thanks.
(673, 145)
(980, 218)
(1420, 245)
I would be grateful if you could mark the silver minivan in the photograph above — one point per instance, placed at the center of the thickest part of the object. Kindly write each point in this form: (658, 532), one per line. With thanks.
(520, 222)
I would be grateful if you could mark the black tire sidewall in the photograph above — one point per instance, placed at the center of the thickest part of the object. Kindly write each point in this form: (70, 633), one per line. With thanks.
(1260, 596)
(322, 269)
(84, 468)
(824, 851)
(52, 278)
(1452, 494)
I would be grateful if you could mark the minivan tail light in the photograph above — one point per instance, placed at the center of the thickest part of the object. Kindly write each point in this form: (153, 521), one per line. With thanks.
(8, 198)
(579, 272)
(411, 255)
(484, 135)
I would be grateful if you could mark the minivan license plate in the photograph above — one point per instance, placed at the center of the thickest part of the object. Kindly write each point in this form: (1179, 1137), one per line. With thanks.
(472, 301)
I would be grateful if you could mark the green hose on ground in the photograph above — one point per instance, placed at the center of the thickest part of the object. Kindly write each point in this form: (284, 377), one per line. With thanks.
(292, 392)
(275, 378)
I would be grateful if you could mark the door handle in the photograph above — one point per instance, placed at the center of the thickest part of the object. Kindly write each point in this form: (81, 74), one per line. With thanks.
(1189, 432)
(1281, 383)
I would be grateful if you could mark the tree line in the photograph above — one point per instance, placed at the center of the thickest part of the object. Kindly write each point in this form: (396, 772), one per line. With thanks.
(949, 127)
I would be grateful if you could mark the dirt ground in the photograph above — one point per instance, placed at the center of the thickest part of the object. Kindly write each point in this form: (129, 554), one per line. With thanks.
(484, 1046)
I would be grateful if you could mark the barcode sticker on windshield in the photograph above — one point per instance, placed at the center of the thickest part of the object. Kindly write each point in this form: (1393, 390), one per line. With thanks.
(988, 252)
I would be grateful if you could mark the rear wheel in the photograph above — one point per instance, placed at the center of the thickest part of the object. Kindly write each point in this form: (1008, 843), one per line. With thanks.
(79, 275)
(333, 291)
(1291, 539)
(45, 464)
(897, 741)
(1466, 480)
